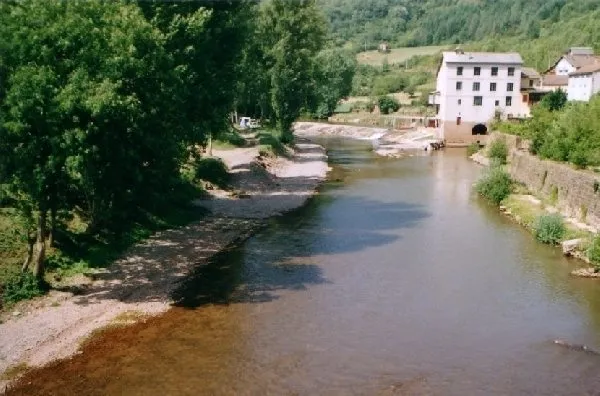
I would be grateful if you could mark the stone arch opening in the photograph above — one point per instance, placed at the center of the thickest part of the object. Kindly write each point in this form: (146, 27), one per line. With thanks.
(479, 129)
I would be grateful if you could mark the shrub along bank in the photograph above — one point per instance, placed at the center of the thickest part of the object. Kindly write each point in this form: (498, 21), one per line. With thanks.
(541, 216)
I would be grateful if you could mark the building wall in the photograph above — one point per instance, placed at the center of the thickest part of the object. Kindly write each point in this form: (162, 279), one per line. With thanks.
(458, 113)
(564, 68)
(491, 100)
(596, 83)
(580, 87)
(461, 135)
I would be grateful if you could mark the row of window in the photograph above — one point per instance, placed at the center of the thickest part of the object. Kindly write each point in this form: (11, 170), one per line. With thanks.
(477, 86)
(478, 101)
(477, 71)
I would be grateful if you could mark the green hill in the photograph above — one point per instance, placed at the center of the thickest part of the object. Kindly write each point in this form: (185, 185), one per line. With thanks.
(539, 29)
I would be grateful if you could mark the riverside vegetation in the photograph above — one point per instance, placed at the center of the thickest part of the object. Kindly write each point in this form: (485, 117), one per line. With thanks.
(548, 139)
(104, 107)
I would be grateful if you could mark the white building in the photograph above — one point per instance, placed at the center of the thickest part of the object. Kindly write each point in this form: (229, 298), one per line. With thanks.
(584, 83)
(557, 76)
(472, 88)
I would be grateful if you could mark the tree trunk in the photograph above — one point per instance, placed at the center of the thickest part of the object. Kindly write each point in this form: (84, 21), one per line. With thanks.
(38, 267)
(29, 257)
(52, 227)
(209, 145)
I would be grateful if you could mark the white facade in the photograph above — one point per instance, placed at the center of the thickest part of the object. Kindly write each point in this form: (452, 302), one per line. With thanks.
(564, 67)
(472, 87)
(583, 85)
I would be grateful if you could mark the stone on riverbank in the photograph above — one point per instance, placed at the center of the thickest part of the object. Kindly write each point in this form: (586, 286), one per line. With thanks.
(571, 246)
(586, 273)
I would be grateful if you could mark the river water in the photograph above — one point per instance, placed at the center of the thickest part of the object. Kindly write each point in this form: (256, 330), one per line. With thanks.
(396, 280)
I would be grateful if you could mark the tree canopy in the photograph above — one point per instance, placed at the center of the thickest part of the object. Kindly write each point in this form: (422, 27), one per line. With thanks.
(102, 104)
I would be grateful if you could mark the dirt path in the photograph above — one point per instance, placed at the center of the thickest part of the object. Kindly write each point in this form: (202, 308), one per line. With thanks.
(143, 280)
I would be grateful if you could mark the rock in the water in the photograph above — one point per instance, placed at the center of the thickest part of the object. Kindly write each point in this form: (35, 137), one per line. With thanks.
(570, 246)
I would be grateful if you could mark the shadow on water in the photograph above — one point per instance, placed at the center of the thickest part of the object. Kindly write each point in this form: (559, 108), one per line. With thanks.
(278, 258)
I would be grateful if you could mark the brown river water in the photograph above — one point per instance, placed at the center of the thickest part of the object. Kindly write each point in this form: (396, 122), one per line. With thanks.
(397, 280)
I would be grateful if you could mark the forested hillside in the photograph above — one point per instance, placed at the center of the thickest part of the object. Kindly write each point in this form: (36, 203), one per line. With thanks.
(540, 29)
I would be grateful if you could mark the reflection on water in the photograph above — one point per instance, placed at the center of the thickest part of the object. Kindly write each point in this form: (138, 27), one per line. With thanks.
(396, 281)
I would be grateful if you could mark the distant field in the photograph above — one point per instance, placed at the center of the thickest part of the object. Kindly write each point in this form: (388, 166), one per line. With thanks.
(397, 55)
(401, 97)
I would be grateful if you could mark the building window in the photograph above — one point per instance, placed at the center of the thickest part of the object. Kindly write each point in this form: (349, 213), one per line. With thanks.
(459, 71)
(509, 100)
(476, 86)
(530, 83)
(477, 71)
(497, 103)
(457, 120)
(494, 71)
(509, 87)
(492, 87)
(459, 102)
(459, 85)
(478, 101)
(511, 71)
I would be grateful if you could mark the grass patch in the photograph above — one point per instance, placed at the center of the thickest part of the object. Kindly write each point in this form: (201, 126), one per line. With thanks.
(472, 149)
(526, 211)
(396, 55)
(550, 229)
(12, 245)
(269, 144)
(14, 371)
(229, 140)
(22, 286)
(593, 252)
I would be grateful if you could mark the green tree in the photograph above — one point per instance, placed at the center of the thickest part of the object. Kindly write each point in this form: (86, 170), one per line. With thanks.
(292, 34)
(388, 104)
(30, 150)
(554, 100)
(333, 80)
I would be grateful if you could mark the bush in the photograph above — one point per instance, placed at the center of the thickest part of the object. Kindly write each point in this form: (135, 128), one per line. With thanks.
(495, 185)
(213, 170)
(498, 150)
(270, 144)
(593, 253)
(22, 286)
(550, 229)
(472, 149)
(388, 104)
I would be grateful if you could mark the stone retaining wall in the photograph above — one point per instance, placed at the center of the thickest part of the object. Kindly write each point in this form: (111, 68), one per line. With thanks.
(576, 193)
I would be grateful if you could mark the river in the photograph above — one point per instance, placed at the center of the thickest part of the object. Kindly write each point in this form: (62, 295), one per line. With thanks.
(396, 279)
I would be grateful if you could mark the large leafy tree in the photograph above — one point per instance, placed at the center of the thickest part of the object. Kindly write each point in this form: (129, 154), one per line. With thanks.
(334, 74)
(292, 33)
(83, 108)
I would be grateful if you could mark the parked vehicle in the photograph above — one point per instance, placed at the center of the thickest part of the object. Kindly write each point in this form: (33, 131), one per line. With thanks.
(249, 123)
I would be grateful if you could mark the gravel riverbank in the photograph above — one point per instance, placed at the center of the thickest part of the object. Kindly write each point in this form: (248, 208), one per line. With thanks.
(142, 282)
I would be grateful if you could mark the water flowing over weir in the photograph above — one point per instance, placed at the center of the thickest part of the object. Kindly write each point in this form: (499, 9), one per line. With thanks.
(395, 280)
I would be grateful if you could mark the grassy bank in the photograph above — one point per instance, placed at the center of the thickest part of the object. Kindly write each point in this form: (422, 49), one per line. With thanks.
(540, 216)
